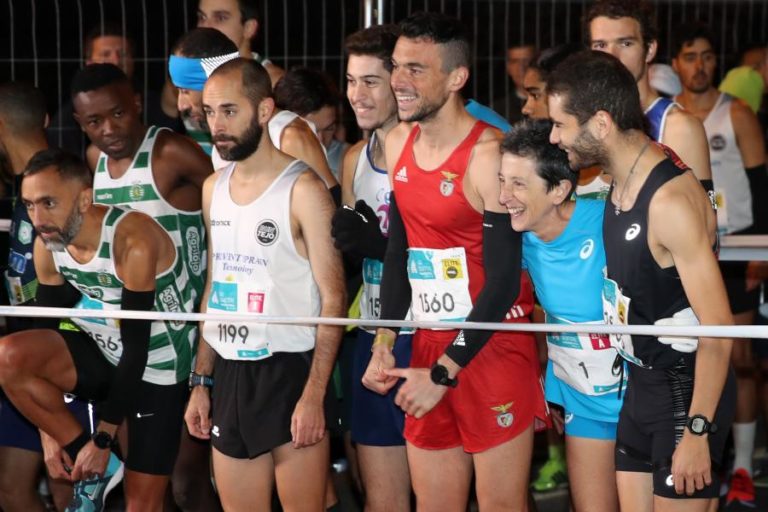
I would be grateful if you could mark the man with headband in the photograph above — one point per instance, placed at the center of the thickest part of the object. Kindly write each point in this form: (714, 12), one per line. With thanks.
(196, 55)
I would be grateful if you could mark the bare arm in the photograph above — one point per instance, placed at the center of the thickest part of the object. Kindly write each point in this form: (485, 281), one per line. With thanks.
(678, 223)
(92, 157)
(348, 167)
(749, 136)
(179, 167)
(275, 72)
(300, 142)
(685, 134)
(44, 266)
(197, 414)
(311, 210)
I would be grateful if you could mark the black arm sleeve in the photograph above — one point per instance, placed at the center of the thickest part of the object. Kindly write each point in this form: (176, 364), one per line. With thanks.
(758, 186)
(502, 259)
(54, 296)
(395, 287)
(135, 337)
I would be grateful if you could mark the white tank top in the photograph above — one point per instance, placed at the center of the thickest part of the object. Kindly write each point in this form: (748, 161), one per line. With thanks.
(275, 128)
(732, 192)
(255, 269)
(371, 184)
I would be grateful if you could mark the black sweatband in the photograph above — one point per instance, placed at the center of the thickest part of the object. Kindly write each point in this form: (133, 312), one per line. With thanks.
(395, 287)
(502, 260)
(134, 335)
(758, 186)
(709, 187)
(54, 296)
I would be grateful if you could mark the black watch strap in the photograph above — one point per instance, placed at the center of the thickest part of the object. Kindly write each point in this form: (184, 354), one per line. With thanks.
(195, 379)
(439, 375)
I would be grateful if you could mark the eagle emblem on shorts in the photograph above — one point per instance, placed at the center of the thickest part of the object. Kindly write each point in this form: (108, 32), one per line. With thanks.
(446, 184)
(503, 417)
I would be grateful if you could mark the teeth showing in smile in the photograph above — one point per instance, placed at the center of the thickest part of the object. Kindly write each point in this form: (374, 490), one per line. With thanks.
(516, 210)
(402, 98)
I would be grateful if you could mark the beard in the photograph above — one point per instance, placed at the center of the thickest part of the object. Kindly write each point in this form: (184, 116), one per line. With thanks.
(426, 111)
(62, 237)
(587, 151)
(244, 145)
(199, 124)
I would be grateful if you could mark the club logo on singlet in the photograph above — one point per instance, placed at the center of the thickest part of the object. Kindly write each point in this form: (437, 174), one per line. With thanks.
(104, 279)
(25, 232)
(717, 142)
(446, 184)
(587, 248)
(504, 418)
(632, 232)
(267, 232)
(136, 192)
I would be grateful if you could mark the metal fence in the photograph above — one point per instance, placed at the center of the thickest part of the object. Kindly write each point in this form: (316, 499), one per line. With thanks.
(41, 41)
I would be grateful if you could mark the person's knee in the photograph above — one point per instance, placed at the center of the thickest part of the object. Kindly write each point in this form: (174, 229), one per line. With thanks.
(15, 357)
(16, 493)
(190, 489)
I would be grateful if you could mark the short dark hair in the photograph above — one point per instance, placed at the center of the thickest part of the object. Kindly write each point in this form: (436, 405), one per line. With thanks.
(254, 78)
(551, 57)
(96, 76)
(304, 90)
(639, 10)
(22, 107)
(529, 138)
(687, 33)
(376, 41)
(443, 30)
(69, 166)
(106, 29)
(249, 10)
(200, 43)
(590, 81)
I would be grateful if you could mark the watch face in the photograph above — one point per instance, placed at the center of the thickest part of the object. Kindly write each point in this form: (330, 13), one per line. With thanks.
(697, 425)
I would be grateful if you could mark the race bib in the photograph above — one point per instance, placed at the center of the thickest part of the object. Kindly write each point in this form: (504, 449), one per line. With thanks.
(616, 312)
(721, 208)
(439, 284)
(104, 331)
(584, 361)
(237, 340)
(370, 298)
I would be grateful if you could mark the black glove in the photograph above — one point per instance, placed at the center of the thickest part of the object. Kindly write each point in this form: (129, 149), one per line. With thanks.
(357, 231)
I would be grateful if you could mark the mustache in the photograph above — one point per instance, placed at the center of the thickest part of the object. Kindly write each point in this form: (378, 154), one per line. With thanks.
(224, 138)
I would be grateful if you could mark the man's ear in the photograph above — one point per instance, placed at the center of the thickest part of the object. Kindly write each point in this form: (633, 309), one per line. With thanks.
(650, 54)
(602, 124)
(250, 28)
(458, 78)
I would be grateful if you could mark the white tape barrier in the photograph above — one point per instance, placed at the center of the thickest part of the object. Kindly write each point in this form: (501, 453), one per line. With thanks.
(698, 331)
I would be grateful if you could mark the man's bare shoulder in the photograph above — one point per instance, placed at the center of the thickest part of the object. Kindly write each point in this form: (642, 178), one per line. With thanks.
(681, 124)
(169, 145)
(353, 153)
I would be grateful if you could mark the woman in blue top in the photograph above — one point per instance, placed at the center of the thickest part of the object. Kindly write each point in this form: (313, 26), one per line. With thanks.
(563, 253)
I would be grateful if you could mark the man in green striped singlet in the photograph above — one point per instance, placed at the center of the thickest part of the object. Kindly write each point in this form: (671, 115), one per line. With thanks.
(101, 258)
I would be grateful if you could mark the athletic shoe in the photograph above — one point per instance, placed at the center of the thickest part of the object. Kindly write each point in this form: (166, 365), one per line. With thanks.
(742, 490)
(89, 495)
(552, 475)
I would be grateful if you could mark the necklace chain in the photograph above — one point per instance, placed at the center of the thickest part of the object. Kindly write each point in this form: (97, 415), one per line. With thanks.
(617, 206)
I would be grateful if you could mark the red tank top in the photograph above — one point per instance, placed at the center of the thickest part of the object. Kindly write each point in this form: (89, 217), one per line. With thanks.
(437, 215)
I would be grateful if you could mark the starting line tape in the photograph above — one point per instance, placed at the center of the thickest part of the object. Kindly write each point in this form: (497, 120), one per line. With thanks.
(698, 331)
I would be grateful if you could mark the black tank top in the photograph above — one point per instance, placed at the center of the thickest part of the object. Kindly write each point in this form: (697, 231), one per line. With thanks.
(654, 292)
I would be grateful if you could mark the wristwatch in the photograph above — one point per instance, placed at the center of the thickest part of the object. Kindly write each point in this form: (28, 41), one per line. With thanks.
(102, 440)
(195, 379)
(698, 424)
(439, 375)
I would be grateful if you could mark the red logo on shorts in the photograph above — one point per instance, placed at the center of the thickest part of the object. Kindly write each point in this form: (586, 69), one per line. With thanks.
(255, 302)
(600, 341)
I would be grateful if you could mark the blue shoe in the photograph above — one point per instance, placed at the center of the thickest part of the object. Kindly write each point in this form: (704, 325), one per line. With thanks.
(89, 495)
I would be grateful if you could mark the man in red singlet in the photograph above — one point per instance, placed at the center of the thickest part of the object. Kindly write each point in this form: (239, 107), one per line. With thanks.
(452, 255)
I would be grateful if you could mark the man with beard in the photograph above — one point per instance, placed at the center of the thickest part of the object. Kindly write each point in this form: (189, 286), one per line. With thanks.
(658, 230)
(360, 229)
(626, 30)
(160, 173)
(453, 255)
(196, 55)
(267, 404)
(101, 258)
(22, 134)
(149, 169)
(741, 184)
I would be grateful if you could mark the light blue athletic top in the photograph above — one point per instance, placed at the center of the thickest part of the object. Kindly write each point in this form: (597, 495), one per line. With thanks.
(567, 273)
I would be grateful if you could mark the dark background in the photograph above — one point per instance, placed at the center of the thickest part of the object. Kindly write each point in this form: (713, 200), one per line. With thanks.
(41, 40)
